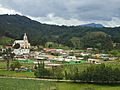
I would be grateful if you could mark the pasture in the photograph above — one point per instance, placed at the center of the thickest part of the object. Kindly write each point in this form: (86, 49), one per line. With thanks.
(24, 84)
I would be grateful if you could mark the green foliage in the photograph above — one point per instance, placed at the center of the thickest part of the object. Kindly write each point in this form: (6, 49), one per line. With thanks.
(41, 72)
(58, 72)
(117, 46)
(6, 41)
(8, 55)
(115, 53)
(99, 40)
(100, 73)
(72, 73)
(76, 42)
(14, 65)
(25, 84)
(55, 45)
(94, 73)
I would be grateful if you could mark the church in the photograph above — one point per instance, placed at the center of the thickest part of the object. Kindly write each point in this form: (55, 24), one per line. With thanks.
(22, 46)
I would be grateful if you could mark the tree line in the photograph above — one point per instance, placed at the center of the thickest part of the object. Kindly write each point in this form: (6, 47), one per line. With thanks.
(94, 73)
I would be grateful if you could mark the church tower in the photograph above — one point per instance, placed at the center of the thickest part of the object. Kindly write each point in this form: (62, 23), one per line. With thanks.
(26, 43)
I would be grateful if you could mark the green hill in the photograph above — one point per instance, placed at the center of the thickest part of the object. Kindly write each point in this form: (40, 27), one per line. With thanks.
(6, 41)
(14, 26)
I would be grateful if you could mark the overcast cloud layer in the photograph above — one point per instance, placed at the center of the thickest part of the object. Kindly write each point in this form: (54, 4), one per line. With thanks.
(66, 12)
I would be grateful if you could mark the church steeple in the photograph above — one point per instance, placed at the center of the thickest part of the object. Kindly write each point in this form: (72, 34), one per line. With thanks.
(26, 43)
(25, 37)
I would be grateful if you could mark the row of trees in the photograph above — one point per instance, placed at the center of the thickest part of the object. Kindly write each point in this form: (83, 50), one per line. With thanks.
(94, 73)
(42, 72)
(100, 73)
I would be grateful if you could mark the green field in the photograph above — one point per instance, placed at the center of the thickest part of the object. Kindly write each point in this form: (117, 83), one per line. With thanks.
(26, 84)
(4, 72)
(3, 64)
(16, 74)
(23, 84)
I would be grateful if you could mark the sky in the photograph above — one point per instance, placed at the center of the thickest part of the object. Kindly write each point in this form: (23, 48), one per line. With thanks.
(66, 12)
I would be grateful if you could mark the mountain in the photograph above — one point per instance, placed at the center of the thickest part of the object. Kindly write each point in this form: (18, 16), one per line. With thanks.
(93, 25)
(14, 26)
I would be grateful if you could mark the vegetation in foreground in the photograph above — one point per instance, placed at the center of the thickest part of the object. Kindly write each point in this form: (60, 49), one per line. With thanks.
(94, 73)
(12, 72)
(100, 73)
(20, 84)
(6, 73)
(86, 72)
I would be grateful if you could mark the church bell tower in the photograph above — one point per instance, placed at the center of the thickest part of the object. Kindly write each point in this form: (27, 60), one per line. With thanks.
(26, 44)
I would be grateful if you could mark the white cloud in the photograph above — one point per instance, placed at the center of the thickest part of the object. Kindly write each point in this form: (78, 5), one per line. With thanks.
(77, 9)
(4, 10)
(115, 22)
(53, 18)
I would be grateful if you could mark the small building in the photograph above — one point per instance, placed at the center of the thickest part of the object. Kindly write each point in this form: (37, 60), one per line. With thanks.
(8, 46)
(95, 61)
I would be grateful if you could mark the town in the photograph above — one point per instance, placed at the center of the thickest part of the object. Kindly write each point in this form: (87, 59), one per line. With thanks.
(23, 52)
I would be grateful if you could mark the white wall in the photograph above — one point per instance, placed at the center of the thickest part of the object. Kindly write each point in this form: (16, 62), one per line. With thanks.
(21, 51)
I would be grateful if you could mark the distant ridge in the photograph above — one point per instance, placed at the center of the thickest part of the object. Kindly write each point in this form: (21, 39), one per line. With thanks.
(93, 25)
(14, 26)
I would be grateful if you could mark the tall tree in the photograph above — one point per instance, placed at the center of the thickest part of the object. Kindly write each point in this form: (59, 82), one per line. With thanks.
(8, 55)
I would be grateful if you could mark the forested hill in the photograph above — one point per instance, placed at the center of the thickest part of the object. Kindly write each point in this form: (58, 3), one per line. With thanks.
(14, 26)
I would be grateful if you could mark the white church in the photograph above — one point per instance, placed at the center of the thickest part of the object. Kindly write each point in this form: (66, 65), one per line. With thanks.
(24, 46)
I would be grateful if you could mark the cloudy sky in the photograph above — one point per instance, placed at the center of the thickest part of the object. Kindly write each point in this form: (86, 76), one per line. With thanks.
(66, 12)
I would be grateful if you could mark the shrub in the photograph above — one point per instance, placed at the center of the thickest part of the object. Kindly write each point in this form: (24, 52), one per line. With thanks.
(14, 65)
(41, 72)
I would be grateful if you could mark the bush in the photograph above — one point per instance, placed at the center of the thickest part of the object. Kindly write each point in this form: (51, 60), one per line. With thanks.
(57, 72)
(14, 65)
(41, 72)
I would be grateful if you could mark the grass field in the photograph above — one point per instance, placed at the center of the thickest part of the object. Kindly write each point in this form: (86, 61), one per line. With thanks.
(2, 65)
(24, 84)
(16, 74)
(83, 66)
(20, 84)
(4, 72)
